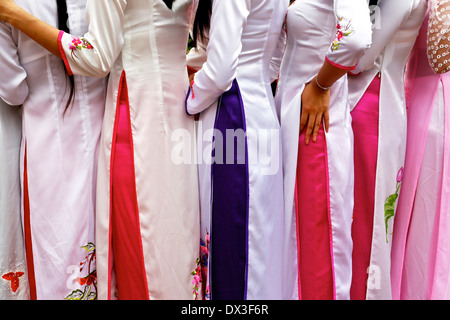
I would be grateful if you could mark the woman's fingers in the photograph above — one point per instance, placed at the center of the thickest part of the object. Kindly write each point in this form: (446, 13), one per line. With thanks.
(317, 123)
(326, 118)
(314, 112)
(310, 121)
(303, 120)
(310, 127)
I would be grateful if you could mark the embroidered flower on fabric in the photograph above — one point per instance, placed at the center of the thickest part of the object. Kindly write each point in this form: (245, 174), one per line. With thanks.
(200, 273)
(79, 44)
(389, 203)
(197, 279)
(341, 33)
(89, 281)
(14, 278)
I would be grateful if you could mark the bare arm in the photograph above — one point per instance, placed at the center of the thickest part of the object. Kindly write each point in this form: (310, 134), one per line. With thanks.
(41, 32)
(95, 53)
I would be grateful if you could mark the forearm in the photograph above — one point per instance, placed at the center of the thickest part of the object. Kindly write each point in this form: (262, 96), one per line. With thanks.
(41, 32)
(329, 74)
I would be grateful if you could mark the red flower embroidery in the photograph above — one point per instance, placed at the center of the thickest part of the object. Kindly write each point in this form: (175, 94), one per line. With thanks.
(14, 278)
(340, 34)
(89, 282)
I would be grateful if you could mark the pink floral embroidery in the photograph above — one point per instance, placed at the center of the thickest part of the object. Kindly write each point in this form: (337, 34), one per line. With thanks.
(197, 279)
(200, 273)
(79, 44)
(341, 33)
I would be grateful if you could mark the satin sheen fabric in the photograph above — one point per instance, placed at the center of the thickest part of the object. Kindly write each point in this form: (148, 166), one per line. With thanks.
(62, 152)
(237, 74)
(145, 42)
(312, 38)
(12, 251)
(420, 260)
(387, 57)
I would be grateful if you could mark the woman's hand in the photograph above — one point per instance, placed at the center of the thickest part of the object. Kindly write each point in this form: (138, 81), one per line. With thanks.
(315, 105)
(6, 9)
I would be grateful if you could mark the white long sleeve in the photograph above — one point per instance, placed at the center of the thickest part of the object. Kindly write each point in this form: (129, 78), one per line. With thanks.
(398, 13)
(95, 53)
(228, 21)
(353, 33)
(275, 63)
(13, 84)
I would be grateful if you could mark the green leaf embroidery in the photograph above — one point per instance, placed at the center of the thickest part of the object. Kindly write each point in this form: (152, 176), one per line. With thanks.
(75, 295)
(89, 247)
(90, 281)
(389, 203)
